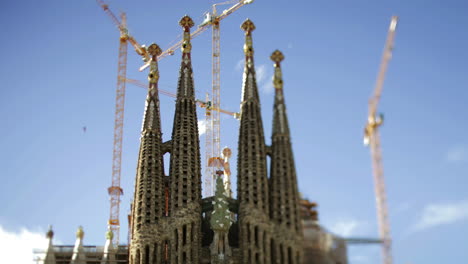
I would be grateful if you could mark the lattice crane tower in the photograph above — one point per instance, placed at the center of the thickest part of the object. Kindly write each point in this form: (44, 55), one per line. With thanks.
(372, 138)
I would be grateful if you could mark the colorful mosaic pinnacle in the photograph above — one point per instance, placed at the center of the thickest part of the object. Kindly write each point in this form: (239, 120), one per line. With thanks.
(248, 26)
(277, 57)
(154, 50)
(186, 22)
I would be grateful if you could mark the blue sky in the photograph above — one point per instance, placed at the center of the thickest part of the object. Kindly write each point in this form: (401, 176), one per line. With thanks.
(58, 70)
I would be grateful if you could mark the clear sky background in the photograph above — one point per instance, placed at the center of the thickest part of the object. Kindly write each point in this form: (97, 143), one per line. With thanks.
(58, 62)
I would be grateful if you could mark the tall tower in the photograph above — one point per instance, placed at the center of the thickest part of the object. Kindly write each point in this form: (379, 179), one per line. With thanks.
(252, 181)
(284, 196)
(148, 202)
(185, 169)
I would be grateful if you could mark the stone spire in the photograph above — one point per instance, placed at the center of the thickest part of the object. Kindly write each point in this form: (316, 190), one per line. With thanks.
(252, 182)
(284, 196)
(252, 172)
(149, 198)
(79, 256)
(109, 251)
(185, 169)
(49, 258)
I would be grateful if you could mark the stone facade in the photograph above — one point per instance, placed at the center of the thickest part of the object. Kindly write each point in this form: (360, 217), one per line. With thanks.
(171, 223)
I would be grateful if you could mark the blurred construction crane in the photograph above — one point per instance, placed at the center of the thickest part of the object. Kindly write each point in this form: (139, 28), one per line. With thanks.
(372, 138)
(115, 191)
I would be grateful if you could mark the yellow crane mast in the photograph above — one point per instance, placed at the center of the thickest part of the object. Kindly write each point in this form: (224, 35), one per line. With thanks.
(372, 138)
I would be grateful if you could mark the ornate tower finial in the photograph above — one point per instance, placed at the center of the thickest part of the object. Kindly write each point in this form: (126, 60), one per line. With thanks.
(154, 51)
(248, 26)
(277, 57)
(186, 23)
(80, 232)
(50, 233)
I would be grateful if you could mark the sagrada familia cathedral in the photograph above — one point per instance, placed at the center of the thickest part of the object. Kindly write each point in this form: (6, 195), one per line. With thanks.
(171, 223)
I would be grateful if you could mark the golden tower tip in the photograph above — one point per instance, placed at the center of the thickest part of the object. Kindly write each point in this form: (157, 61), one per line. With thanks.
(277, 56)
(80, 233)
(248, 26)
(186, 22)
(154, 50)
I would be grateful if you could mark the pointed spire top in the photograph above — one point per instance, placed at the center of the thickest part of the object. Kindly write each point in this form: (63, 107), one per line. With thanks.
(248, 26)
(280, 119)
(50, 233)
(80, 232)
(277, 56)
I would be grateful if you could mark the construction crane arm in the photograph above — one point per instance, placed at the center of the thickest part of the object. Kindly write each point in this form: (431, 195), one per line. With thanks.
(171, 49)
(123, 30)
(200, 103)
(386, 56)
(203, 27)
(233, 8)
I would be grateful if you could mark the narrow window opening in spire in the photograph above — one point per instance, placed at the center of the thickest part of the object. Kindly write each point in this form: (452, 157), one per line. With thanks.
(281, 253)
(184, 236)
(272, 251)
(176, 240)
(256, 237)
(147, 255)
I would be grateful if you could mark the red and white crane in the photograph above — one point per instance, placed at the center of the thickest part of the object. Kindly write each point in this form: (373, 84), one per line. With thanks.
(372, 138)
